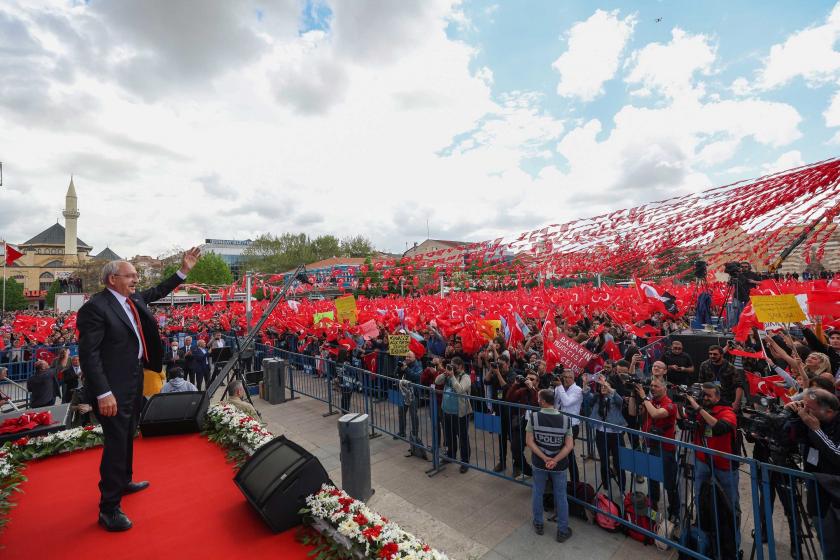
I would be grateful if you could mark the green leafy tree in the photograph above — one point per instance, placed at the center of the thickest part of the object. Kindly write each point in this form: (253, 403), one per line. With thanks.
(50, 299)
(210, 269)
(325, 246)
(14, 295)
(357, 246)
(169, 270)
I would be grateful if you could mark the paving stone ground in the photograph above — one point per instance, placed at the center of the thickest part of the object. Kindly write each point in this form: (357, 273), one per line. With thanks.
(469, 516)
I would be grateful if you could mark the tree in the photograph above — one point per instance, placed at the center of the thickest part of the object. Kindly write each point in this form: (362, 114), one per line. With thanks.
(210, 269)
(170, 269)
(325, 246)
(14, 295)
(50, 299)
(357, 246)
(90, 272)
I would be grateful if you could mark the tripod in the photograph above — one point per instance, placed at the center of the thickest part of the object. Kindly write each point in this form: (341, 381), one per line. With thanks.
(685, 467)
(802, 532)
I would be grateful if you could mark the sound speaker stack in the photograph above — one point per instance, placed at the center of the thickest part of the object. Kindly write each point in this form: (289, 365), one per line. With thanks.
(174, 413)
(276, 480)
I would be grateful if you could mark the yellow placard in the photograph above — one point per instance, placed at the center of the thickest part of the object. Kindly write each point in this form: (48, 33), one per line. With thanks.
(777, 309)
(398, 344)
(345, 308)
(318, 317)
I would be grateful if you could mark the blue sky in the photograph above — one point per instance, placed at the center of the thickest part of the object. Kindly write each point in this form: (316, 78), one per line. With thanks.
(484, 118)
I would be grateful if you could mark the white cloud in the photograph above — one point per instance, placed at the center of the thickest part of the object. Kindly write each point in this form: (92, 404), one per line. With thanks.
(592, 58)
(670, 68)
(808, 53)
(787, 160)
(832, 113)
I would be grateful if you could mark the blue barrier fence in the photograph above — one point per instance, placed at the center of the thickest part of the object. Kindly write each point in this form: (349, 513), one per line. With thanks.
(689, 498)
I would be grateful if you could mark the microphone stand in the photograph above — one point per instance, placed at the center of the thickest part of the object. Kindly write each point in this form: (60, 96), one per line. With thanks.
(234, 364)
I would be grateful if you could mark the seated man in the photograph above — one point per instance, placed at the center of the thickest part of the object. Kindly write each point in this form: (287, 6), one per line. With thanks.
(177, 383)
(236, 392)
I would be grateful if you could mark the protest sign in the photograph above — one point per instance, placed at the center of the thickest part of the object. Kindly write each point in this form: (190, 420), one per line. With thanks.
(777, 309)
(345, 308)
(572, 355)
(318, 317)
(398, 344)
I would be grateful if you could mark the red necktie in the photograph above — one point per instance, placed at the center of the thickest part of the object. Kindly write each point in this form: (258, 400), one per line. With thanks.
(139, 326)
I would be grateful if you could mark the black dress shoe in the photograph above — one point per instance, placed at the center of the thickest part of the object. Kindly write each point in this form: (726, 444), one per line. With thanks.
(135, 487)
(114, 520)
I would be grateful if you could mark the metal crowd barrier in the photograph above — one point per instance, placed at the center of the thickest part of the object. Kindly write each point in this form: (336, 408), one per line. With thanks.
(628, 466)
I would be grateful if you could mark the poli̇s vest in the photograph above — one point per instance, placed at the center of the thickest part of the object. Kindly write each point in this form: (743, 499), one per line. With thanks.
(550, 435)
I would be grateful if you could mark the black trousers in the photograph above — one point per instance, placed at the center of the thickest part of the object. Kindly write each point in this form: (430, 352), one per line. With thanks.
(115, 469)
(202, 377)
(456, 434)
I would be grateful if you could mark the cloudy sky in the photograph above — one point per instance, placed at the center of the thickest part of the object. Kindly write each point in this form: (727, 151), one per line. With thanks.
(186, 119)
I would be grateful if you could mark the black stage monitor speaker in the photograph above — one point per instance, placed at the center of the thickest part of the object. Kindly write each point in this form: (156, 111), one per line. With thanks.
(174, 413)
(277, 479)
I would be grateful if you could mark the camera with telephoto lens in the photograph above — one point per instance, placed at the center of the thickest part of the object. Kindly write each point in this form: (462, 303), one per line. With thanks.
(637, 381)
(680, 393)
(520, 379)
(764, 421)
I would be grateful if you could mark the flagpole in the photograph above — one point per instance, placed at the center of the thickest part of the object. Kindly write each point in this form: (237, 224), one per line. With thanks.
(5, 248)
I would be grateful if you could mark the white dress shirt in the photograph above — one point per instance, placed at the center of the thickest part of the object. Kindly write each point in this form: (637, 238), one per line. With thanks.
(569, 400)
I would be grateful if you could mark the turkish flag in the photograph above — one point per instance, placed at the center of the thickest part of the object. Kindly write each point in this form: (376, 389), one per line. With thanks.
(824, 303)
(746, 322)
(12, 255)
(766, 386)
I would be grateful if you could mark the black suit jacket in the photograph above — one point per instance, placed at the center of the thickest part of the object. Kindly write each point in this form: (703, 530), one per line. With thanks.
(108, 346)
(199, 361)
(44, 388)
(173, 359)
(70, 381)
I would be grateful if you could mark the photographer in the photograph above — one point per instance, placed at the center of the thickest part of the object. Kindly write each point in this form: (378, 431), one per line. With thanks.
(497, 378)
(658, 415)
(408, 372)
(523, 391)
(551, 444)
(819, 429)
(716, 429)
(608, 437)
(456, 410)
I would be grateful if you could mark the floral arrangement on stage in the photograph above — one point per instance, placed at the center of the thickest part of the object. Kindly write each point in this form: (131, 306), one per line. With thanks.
(237, 432)
(15, 454)
(347, 528)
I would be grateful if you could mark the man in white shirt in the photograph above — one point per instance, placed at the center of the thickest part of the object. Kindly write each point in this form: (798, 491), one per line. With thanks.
(568, 397)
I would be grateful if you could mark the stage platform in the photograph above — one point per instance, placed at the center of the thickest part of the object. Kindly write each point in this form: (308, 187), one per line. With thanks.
(191, 510)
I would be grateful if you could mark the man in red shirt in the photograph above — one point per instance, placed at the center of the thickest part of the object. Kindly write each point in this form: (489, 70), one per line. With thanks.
(658, 415)
(717, 430)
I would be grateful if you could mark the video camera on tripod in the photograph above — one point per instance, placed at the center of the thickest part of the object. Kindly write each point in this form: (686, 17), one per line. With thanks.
(733, 269)
(764, 422)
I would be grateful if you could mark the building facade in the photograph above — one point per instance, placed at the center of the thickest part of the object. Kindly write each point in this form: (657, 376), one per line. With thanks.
(232, 251)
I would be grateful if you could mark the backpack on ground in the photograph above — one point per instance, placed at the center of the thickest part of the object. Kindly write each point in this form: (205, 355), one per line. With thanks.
(604, 504)
(637, 511)
(583, 492)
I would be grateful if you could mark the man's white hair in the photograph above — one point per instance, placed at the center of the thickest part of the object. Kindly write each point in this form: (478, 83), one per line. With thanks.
(110, 268)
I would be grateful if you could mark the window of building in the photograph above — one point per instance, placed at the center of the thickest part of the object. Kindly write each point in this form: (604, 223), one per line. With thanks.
(46, 280)
(53, 264)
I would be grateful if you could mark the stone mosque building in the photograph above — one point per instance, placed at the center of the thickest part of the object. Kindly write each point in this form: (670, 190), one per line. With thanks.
(54, 253)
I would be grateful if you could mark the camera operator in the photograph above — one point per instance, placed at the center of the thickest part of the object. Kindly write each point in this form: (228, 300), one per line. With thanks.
(658, 415)
(607, 408)
(522, 391)
(568, 397)
(819, 429)
(496, 381)
(716, 429)
(744, 279)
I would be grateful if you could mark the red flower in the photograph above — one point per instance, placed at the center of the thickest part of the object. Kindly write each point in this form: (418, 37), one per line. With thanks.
(335, 492)
(388, 551)
(88, 428)
(426, 548)
(21, 441)
(346, 501)
(372, 532)
(360, 519)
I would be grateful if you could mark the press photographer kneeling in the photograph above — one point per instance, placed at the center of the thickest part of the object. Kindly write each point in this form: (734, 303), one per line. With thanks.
(818, 428)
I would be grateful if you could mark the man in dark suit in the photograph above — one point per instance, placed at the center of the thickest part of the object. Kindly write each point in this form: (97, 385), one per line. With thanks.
(199, 363)
(174, 356)
(43, 385)
(70, 379)
(118, 338)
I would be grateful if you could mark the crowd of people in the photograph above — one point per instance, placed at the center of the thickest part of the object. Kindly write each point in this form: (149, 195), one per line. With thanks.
(672, 398)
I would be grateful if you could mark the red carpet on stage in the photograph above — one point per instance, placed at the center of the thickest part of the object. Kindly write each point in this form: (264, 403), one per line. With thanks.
(191, 510)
